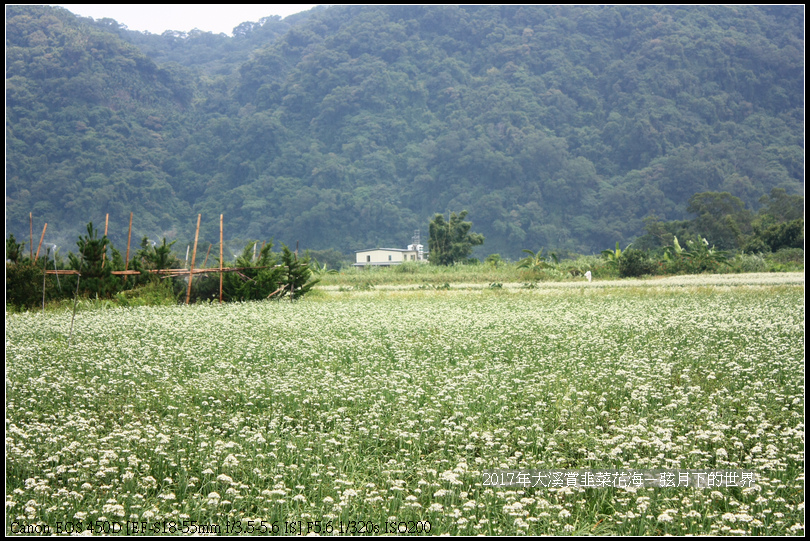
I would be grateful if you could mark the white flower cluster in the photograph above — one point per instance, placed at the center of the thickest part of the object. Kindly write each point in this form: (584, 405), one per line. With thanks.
(391, 404)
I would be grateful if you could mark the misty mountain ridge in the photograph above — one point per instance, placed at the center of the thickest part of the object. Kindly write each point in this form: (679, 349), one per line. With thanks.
(349, 127)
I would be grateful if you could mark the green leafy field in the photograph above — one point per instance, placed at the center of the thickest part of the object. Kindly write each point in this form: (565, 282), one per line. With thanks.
(371, 411)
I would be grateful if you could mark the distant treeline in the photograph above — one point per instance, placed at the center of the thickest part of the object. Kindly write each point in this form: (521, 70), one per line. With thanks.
(723, 237)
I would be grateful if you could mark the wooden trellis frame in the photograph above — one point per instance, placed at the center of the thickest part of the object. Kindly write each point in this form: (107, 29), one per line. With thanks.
(168, 272)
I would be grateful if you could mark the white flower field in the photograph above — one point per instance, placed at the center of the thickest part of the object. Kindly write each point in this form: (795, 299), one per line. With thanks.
(378, 412)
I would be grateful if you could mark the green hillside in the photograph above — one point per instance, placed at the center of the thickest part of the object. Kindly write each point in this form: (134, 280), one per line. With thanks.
(348, 127)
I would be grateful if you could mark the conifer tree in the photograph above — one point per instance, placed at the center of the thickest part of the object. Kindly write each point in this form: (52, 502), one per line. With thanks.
(296, 274)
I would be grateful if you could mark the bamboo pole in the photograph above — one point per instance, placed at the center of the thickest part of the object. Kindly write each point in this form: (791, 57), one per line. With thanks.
(106, 225)
(289, 274)
(205, 263)
(40, 242)
(220, 259)
(54, 268)
(76, 297)
(44, 274)
(31, 234)
(193, 257)
(129, 238)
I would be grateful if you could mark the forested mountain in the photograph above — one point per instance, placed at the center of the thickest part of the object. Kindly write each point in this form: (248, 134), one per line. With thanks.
(350, 126)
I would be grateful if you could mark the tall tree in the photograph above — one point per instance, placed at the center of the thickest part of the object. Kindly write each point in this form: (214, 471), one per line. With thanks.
(721, 217)
(451, 242)
(779, 206)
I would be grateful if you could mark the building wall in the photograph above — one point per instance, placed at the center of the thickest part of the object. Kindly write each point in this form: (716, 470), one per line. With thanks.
(384, 257)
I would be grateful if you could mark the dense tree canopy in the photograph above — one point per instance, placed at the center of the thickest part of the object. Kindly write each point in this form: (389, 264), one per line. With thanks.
(451, 241)
(350, 126)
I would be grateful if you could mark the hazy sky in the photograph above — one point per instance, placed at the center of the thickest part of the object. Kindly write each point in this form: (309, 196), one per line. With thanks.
(157, 18)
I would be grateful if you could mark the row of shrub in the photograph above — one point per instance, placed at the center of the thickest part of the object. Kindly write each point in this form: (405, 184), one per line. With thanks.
(266, 275)
(696, 256)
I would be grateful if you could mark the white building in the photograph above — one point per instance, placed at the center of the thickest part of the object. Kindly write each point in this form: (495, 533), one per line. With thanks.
(386, 257)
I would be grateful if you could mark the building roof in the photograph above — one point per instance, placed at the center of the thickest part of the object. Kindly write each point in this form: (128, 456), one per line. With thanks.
(384, 250)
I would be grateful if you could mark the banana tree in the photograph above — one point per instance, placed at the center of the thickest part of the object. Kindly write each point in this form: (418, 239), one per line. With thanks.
(697, 256)
(319, 270)
(613, 256)
(704, 258)
(537, 261)
(672, 252)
